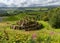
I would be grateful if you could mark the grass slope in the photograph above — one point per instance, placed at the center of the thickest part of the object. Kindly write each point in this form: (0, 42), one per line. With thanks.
(45, 35)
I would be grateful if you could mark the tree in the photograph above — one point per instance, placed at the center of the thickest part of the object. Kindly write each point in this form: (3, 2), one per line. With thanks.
(55, 18)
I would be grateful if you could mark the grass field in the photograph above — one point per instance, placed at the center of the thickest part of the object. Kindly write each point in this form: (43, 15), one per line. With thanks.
(29, 24)
(45, 35)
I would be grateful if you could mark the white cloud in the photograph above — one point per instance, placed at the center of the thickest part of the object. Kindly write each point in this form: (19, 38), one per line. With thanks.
(26, 3)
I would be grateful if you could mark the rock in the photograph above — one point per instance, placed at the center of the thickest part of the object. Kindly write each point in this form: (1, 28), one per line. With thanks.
(27, 25)
(15, 27)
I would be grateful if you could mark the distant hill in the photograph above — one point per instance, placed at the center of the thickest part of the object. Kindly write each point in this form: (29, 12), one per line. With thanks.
(24, 8)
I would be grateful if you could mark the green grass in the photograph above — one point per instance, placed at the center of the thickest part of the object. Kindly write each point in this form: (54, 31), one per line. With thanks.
(45, 24)
(15, 17)
(45, 35)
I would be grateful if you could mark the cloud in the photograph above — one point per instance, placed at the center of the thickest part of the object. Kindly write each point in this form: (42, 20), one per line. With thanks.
(29, 3)
(2, 4)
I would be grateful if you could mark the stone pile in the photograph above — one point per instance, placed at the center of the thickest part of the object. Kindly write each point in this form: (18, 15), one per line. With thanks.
(27, 25)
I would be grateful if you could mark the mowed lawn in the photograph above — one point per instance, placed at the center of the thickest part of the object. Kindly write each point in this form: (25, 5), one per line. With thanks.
(45, 35)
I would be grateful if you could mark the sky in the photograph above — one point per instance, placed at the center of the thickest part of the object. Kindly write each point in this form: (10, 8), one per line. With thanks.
(28, 3)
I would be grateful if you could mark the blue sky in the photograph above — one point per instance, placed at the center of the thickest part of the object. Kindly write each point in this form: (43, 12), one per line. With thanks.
(27, 3)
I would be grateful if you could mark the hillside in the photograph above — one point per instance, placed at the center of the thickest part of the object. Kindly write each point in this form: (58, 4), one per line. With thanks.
(49, 19)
